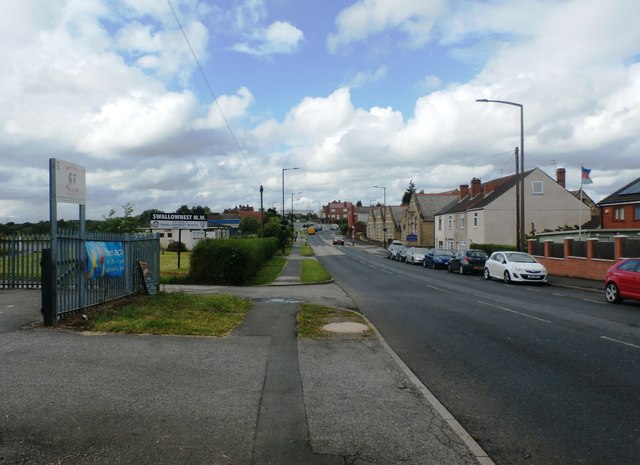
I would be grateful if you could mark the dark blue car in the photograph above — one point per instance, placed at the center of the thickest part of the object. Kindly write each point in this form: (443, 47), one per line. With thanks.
(437, 258)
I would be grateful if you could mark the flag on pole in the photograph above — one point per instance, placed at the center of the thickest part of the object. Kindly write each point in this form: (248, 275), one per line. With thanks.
(585, 176)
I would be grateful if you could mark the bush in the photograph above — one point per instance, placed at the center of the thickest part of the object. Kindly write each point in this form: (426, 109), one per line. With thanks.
(173, 247)
(229, 261)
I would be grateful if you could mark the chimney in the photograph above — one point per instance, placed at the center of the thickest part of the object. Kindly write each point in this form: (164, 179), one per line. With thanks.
(464, 190)
(560, 176)
(476, 187)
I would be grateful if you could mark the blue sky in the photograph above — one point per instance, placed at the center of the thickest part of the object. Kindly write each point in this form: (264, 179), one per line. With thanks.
(356, 93)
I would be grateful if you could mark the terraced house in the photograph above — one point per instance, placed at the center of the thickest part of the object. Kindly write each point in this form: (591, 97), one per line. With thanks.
(485, 213)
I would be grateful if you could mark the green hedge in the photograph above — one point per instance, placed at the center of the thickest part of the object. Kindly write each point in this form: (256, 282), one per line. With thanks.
(229, 261)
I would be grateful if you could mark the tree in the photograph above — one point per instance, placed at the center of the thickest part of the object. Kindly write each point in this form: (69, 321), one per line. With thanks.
(249, 225)
(406, 198)
(359, 203)
(120, 224)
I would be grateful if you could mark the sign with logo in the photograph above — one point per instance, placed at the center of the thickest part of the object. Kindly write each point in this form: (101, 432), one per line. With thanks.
(104, 259)
(70, 180)
(178, 221)
(197, 236)
(412, 238)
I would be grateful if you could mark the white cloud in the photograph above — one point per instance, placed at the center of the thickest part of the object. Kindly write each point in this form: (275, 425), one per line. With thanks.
(366, 18)
(226, 108)
(280, 37)
(364, 77)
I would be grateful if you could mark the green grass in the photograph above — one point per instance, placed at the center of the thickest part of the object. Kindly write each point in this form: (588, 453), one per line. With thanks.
(311, 318)
(306, 251)
(313, 272)
(173, 313)
(269, 271)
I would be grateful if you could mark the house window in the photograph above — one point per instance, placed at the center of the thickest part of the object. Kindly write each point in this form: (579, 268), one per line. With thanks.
(637, 213)
(449, 222)
(440, 223)
(169, 234)
(537, 187)
(475, 220)
(619, 213)
(462, 221)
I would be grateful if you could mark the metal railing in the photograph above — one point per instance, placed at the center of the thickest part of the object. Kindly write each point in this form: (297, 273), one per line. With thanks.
(20, 261)
(26, 262)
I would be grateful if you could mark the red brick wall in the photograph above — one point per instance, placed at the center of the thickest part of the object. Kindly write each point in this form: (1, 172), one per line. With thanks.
(609, 221)
(578, 267)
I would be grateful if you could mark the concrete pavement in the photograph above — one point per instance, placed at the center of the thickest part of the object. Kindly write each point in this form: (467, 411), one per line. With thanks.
(258, 396)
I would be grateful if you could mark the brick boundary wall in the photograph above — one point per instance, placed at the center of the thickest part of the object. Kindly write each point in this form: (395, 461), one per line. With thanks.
(578, 267)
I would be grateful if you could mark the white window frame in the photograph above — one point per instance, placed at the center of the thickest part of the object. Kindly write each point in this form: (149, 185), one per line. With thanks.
(618, 213)
(537, 187)
(449, 222)
(475, 219)
(462, 221)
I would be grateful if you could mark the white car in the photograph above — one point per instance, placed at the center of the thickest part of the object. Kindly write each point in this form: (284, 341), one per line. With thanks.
(514, 267)
(415, 255)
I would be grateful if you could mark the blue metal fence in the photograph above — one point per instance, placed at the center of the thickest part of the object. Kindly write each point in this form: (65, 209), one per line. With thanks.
(26, 262)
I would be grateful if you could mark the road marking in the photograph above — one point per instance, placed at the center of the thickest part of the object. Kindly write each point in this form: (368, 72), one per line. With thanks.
(436, 288)
(620, 342)
(558, 294)
(516, 312)
(594, 301)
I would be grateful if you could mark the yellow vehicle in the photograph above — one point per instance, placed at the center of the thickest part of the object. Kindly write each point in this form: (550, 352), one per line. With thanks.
(311, 231)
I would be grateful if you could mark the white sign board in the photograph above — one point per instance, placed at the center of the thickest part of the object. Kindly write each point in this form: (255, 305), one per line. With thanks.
(197, 236)
(177, 221)
(70, 182)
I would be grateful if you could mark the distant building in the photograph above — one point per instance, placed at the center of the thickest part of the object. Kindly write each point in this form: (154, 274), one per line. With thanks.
(621, 210)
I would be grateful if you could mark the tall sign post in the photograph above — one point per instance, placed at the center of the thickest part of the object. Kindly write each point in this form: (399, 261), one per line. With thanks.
(67, 184)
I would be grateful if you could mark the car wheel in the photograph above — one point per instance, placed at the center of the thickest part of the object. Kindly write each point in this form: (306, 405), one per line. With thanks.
(461, 269)
(487, 275)
(424, 263)
(433, 266)
(449, 269)
(507, 277)
(612, 294)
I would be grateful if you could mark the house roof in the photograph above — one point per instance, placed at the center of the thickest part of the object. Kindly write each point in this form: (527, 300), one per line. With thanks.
(490, 190)
(627, 194)
(396, 212)
(430, 204)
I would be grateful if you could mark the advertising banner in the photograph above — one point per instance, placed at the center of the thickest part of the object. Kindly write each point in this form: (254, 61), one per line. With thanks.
(104, 259)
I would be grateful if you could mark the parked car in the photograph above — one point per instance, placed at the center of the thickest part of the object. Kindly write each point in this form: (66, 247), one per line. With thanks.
(622, 281)
(514, 267)
(338, 240)
(415, 255)
(392, 250)
(437, 258)
(401, 256)
(468, 261)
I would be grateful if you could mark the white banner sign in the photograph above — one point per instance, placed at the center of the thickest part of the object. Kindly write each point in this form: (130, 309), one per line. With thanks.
(177, 221)
(70, 183)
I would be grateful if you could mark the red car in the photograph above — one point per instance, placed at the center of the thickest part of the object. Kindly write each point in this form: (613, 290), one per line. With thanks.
(623, 281)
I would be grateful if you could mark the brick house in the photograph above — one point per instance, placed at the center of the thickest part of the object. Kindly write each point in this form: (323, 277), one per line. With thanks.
(486, 212)
(417, 222)
(621, 210)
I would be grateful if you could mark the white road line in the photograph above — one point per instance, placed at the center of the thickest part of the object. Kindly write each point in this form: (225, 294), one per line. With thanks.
(516, 312)
(620, 342)
(436, 288)
(559, 294)
(594, 301)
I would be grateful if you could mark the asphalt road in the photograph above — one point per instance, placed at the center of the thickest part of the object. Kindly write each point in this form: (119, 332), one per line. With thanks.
(536, 374)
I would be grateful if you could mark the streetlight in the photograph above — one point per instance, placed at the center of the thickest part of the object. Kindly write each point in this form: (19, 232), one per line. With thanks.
(384, 206)
(521, 245)
(283, 170)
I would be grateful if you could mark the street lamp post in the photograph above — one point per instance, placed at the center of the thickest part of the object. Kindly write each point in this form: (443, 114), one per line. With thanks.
(283, 170)
(521, 245)
(384, 217)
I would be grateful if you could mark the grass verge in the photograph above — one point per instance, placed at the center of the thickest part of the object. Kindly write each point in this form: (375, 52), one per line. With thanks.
(166, 313)
(313, 272)
(269, 271)
(311, 318)
(306, 251)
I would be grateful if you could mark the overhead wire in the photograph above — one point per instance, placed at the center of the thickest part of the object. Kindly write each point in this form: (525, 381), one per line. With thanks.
(213, 94)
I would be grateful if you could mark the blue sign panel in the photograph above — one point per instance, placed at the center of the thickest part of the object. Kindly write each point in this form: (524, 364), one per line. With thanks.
(412, 238)
(104, 259)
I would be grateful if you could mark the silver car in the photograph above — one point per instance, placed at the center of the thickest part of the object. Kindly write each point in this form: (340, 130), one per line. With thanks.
(514, 267)
(415, 255)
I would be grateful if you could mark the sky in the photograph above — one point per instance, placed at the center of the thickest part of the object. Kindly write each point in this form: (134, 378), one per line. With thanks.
(192, 102)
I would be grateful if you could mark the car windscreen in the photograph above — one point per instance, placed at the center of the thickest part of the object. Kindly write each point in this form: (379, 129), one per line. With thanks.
(520, 258)
(444, 253)
(478, 254)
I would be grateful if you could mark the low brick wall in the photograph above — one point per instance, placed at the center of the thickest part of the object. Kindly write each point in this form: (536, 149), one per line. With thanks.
(587, 267)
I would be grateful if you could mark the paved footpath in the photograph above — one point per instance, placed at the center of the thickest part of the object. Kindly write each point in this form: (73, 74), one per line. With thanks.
(259, 396)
